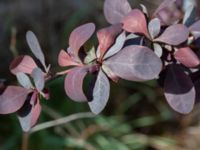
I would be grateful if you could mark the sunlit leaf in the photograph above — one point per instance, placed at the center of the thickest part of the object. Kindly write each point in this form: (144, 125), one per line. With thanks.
(12, 99)
(179, 89)
(78, 38)
(158, 49)
(24, 80)
(174, 35)
(38, 78)
(23, 64)
(115, 10)
(187, 57)
(65, 60)
(74, 84)
(106, 38)
(135, 22)
(135, 63)
(35, 47)
(154, 27)
(101, 93)
(28, 115)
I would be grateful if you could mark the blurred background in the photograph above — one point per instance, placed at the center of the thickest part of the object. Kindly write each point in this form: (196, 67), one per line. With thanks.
(137, 116)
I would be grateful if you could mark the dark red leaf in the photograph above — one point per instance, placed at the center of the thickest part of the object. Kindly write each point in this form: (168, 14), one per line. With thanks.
(135, 63)
(179, 89)
(115, 10)
(187, 57)
(12, 99)
(174, 35)
(23, 64)
(74, 84)
(78, 38)
(135, 22)
(28, 115)
(106, 38)
(101, 93)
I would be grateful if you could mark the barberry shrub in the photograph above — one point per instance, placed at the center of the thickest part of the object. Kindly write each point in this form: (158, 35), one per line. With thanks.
(137, 46)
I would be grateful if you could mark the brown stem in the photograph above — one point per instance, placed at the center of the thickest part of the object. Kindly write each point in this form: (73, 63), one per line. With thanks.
(25, 139)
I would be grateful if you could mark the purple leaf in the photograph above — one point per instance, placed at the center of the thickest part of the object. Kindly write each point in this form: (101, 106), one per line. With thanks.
(74, 84)
(135, 63)
(168, 13)
(119, 43)
(29, 113)
(135, 22)
(116, 10)
(106, 38)
(174, 35)
(101, 93)
(23, 64)
(195, 29)
(24, 80)
(12, 99)
(163, 5)
(154, 27)
(187, 57)
(179, 89)
(35, 47)
(65, 60)
(38, 78)
(78, 38)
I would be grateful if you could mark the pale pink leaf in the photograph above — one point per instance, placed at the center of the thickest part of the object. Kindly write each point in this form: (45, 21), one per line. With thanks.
(12, 99)
(35, 47)
(28, 115)
(23, 64)
(79, 37)
(187, 57)
(106, 38)
(179, 89)
(174, 35)
(195, 29)
(101, 93)
(65, 60)
(135, 22)
(135, 63)
(116, 10)
(74, 84)
(38, 78)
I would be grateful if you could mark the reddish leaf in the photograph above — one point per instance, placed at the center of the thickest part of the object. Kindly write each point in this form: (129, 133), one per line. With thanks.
(135, 63)
(101, 93)
(174, 35)
(35, 47)
(74, 84)
(79, 36)
(12, 99)
(179, 89)
(106, 38)
(135, 22)
(38, 78)
(28, 115)
(195, 29)
(65, 60)
(187, 57)
(23, 64)
(115, 10)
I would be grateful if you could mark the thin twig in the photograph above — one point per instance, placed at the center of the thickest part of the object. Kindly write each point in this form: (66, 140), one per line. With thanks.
(25, 139)
(61, 121)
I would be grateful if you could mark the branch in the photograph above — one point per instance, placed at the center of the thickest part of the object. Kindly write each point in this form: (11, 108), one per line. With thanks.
(61, 121)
